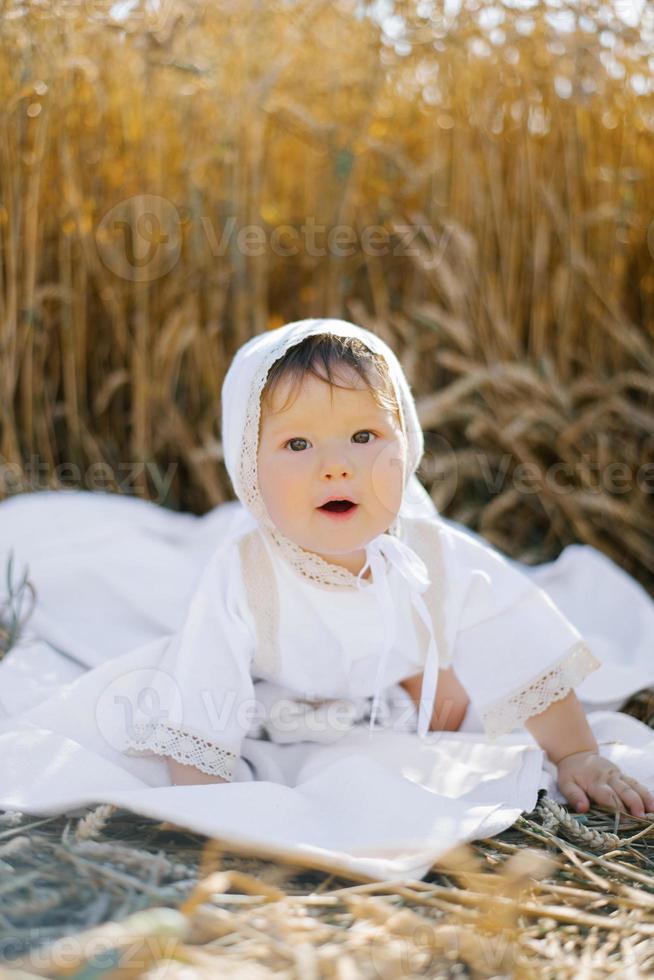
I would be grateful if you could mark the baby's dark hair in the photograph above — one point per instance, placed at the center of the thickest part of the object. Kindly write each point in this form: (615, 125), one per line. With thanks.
(331, 352)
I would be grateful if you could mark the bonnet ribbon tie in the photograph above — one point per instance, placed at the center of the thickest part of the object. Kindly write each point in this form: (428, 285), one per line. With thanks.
(414, 570)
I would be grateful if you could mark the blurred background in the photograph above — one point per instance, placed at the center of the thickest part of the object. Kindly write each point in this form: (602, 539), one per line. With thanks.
(473, 181)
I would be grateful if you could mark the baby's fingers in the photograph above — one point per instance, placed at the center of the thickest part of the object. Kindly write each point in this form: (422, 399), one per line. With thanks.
(574, 794)
(606, 795)
(635, 795)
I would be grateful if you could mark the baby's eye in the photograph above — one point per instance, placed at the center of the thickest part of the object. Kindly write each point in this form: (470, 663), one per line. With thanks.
(296, 439)
(363, 432)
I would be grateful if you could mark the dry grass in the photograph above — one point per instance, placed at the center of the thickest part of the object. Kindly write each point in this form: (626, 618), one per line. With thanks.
(15, 610)
(506, 160)
(551, 897)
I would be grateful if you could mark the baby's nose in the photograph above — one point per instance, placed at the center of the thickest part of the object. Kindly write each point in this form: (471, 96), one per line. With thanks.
(336, 465)
(339, 471)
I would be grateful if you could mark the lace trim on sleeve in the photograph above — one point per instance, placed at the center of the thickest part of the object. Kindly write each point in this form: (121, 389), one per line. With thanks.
(556, 682)
(183, 746)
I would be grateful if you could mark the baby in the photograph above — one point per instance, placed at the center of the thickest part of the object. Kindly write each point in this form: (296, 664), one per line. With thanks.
(331, 462)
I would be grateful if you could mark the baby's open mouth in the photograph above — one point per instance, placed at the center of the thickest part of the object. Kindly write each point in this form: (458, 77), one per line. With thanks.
(339, 506)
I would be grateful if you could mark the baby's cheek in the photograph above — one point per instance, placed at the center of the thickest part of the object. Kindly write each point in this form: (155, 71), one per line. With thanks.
(387, 478)
(294, 490)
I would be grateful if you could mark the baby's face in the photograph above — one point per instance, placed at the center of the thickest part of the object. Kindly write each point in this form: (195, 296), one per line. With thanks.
(342, 446)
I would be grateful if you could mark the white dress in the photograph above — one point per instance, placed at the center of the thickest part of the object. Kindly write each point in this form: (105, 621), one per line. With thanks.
(253, 618)
(156, 633)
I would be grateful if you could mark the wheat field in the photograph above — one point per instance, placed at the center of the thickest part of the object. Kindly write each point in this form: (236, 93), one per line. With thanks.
(475, 186)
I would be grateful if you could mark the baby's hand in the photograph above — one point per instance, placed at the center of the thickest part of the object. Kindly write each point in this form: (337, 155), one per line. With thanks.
(588, 775)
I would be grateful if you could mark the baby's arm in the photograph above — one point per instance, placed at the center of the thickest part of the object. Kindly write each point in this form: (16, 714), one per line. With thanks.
(183, 775)
(582, 773)
(450, 704)
(199, 688)
(512, 644)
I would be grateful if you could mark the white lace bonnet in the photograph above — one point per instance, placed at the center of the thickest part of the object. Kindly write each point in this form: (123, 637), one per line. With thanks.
(241, 409)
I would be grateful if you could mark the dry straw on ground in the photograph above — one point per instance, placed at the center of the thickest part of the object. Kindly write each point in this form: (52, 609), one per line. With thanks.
(146, 899)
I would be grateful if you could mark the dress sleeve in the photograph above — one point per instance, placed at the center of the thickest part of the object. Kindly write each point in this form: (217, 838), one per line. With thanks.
(513, 649)
(194, 704)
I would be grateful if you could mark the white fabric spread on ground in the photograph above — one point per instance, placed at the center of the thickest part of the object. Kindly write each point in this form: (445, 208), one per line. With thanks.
(114, 577)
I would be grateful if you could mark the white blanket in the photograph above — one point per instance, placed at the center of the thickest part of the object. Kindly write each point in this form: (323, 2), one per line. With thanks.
(114, 576)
